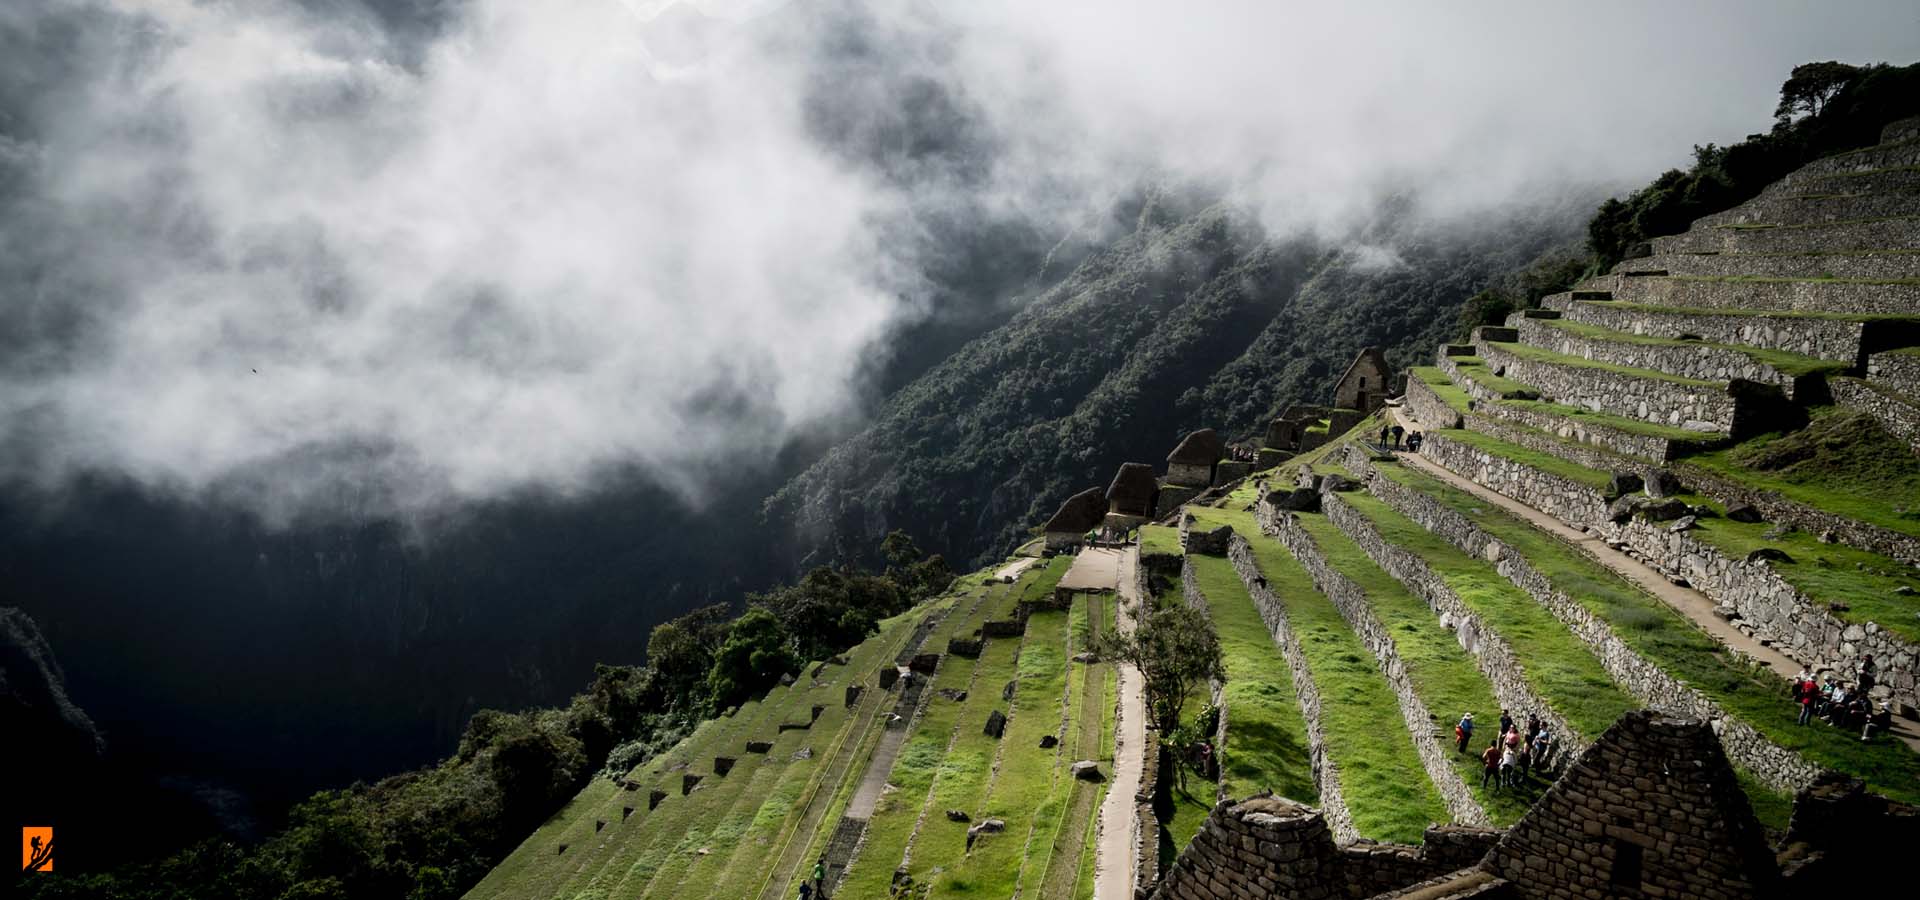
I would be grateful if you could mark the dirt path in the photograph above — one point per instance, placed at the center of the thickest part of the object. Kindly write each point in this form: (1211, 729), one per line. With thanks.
(1010, 572)
(1688, 601)
(1114, 857)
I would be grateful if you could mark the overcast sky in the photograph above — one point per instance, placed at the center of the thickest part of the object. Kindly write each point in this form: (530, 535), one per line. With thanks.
(279, 251)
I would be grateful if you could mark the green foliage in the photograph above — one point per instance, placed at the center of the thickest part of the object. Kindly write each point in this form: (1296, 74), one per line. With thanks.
(680, 653)
(752, 659)
(1844, 108)
(1175, 648)
(1523, 290)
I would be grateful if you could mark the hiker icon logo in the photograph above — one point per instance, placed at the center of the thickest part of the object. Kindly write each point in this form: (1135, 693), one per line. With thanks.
(36, 849)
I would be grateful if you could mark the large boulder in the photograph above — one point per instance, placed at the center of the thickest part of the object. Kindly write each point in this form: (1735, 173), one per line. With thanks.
(1624, 483)
(1621, 509)
(1663, 510)
(1745, 512)
(1662, 484)
(1297, 500)
(1088, 770)
(996, 724)
(1769, 554)
(986, 826)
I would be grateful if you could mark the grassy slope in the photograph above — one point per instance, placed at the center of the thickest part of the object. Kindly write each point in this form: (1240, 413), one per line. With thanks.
(1843, 463)
(1443, 676)
(1266, 745)
(1385, 786)
(1557, 666)
(1159, 540)
(1665, 637)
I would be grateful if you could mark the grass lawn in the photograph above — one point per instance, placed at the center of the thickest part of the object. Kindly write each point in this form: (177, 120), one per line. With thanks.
(1386, 788)
(1266, 744)
(1668, 639)
(1445, 677)
(1558, 666)
(1159, 540)
(1474, 369)
(1843, 462)
(1058, 852)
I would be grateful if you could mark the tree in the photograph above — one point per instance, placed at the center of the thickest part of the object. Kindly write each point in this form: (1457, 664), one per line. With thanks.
(752, 659)
(1175, 649)
(680, 653)
(1810, 85)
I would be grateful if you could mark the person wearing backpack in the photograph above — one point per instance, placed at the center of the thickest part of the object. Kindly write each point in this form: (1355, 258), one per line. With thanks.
(1463, 732)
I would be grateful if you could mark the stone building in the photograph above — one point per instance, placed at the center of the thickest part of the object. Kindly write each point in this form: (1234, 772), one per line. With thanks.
(1082, 513)
(1191, 462)
(1131, 495)
(1365, 384)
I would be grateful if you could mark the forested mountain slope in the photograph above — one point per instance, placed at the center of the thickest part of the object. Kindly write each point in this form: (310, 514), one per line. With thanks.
(1198, 317)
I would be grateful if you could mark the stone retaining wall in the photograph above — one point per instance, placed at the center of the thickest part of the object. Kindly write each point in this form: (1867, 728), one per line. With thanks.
(1835, 339)
(1896, 371)
(1776, 508)
(1699, 407)
(1701, 361)
(1895, 415)
(1587, 455)
(1644, 446)
(1351, 600)
(1146, 825)
(1894, 154)
(1564, 499)
(1812, 295)
(1804, 209)
(1769, 608)
(1326, 775)
(1494, 655)
(1426, 406)
(1877, 266)
(1777, 766)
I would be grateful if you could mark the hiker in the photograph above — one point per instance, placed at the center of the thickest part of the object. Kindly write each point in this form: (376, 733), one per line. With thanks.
(1463, 732)
(1541, 745)
(1806, 691)
(1533, 726)
(820, 877)
(1513, 738)
(806, 890)
(1522, 764)
(1507, 759)
(1490, 761)
(1506, 722)
(1397, 431)
(1384, 431)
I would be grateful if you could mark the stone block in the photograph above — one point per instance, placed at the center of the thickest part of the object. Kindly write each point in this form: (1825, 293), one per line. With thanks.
(996, 724)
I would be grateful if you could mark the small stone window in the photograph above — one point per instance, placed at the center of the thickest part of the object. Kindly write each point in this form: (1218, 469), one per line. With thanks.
(1363, 382)
(1626, 865)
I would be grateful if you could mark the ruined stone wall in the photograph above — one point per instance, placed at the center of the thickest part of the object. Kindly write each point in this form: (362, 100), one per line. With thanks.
(1698, 407)
(1564, 499)
(1426, 406)
(1777, 766)
(1871, 266)
(1351, 601)
(1701, 361)
(1901, 419)
(1770, 608)
(1810, 519)
(1146, 825)
(1260, 847)
(1820, 239)
(1494, 655)
(1835, 339)
(1189, 475)
(1326, 776)
(1897, 371)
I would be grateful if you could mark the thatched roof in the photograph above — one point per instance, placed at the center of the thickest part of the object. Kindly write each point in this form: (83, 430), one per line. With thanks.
(1133, 488)
(1201, 448)
(1081, 512)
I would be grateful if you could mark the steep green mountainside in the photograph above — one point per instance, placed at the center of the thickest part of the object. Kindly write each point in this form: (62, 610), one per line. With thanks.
(1196, 318)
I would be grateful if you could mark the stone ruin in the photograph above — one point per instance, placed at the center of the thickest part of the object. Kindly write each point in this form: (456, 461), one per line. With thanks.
(1192, 460)
(1652, 809)
(1131, 496)
(1083, 512)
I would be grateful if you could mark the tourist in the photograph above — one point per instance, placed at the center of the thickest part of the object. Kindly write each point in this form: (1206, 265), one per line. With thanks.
(1541, 745)
(1414, 441)
(1507, 759)
(820, 876)
(1878, 723)
(1866, 675)
(1533, 726)
(1397, 431)
(1490, 761)
(1506, 722)
(1807, 691)
(806, 890)
(1463, 732)
(1384, 431)
(1522, 763)
(1513, 738)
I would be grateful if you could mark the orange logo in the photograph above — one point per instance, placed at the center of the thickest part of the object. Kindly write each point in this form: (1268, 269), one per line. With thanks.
(36, 849)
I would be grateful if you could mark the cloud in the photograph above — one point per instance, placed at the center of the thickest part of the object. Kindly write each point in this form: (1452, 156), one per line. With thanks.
(294, 257)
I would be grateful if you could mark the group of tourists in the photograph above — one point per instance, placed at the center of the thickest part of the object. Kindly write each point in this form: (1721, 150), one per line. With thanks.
(1242, 453)
(1410, 439)
(1513, 754)
(1847, 705)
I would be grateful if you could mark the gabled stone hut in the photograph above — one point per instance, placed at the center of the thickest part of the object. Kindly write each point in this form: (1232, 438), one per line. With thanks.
(1082, 513)
(1131, 496)
(1365, 384)
(1191, 463)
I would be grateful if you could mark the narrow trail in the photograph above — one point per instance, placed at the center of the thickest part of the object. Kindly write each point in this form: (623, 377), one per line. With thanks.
(1689, 602)
(1114, 856)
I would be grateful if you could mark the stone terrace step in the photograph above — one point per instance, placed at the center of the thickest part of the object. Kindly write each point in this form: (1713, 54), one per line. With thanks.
(1796, 295)
(1868, 181)
(1795, 374)
(1900, 130)
(1899, 413)
(1897, 233)
(1867, 266)
(1810, 208)
(1902, 152)
(1439, 403)
(1836, 337)
(1643, 394)
(1897, 370)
